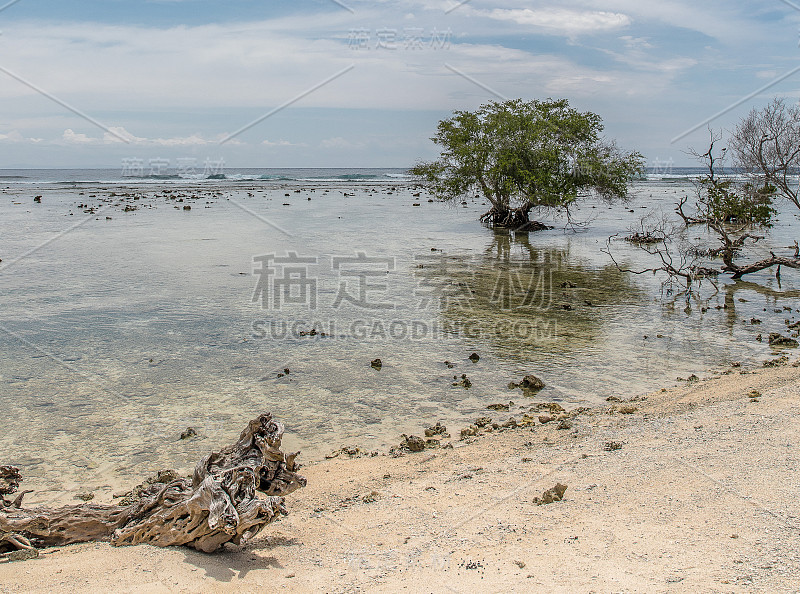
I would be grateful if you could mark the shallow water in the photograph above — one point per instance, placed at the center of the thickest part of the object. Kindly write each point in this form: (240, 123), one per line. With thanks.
(117, 334)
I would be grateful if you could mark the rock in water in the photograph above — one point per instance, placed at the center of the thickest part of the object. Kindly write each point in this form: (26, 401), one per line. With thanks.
(500, 407)
(189, 433)
(531, 383)
(776, 340)
(464, 382)
(376, 364)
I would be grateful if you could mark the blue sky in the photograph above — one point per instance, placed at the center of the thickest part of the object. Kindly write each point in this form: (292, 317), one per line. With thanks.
(175, 77)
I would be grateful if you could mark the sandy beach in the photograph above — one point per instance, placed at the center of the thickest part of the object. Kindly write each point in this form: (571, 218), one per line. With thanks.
(695, 490)
(346, 296)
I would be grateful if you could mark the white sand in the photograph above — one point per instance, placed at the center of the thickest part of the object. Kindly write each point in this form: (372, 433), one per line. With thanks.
(703, 496)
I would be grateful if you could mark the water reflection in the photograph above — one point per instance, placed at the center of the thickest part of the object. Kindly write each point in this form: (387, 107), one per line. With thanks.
(738, 293)
(106, 360)
(526, 300)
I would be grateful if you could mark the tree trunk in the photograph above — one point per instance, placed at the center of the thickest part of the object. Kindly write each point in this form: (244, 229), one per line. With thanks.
(515, 219)
(773, 260)
(219, 504)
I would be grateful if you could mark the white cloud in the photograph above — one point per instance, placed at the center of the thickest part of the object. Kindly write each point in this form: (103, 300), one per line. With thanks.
(181, 88)
(638, 43)
(116, 135)
(101, 68)
(71, 137)
(718, 19)
(12, 136)
(561, 21)
(282, 143)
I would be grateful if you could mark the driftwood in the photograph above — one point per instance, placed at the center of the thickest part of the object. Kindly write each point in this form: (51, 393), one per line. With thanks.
(219, 504)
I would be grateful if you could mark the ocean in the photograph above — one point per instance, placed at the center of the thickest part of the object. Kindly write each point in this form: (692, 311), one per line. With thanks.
(126, 317)
(216, 172)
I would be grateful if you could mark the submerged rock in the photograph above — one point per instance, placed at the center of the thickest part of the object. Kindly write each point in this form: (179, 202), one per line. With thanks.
(189, 433)
(776, 340)
(529, 384)
(552, 407)
(500, 407)
(376, 364)
(779, 362)
(464, 382)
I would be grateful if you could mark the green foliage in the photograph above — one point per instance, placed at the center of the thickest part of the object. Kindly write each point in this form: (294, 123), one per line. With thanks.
(724, 201)
(536, 153)
(730, 209)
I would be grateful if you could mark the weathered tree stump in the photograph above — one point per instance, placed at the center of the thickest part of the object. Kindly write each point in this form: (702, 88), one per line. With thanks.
(219, 504)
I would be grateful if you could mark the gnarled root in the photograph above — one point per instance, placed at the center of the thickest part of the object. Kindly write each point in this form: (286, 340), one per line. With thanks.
(219, 504)
(515, 219)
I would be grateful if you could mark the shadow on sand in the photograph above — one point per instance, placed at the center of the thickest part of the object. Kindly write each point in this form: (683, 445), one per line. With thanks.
(236, 562)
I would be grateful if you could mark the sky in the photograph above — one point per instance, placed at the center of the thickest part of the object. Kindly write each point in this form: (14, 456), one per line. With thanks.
(348, 83)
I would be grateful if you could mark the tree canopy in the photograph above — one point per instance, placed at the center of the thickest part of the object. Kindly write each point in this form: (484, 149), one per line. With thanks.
(766, 144)
(731, 209)
(521, 155)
